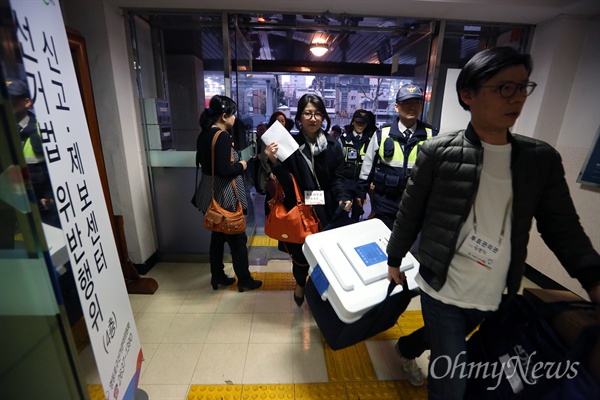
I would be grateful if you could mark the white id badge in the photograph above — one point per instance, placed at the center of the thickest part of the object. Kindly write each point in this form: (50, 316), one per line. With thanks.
(314, 197)
(480, 249)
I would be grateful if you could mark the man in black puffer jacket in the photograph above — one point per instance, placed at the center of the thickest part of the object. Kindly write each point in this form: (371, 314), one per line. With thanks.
(472, 196)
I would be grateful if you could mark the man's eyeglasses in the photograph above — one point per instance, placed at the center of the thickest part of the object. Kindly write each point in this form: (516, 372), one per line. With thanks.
(309, 115)
(413, 102)
(509, 89)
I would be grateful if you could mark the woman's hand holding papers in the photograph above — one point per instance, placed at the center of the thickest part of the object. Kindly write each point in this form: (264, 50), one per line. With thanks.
(271, 152)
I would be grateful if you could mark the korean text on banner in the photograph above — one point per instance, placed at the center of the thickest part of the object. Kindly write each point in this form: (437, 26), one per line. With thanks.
(78, 194)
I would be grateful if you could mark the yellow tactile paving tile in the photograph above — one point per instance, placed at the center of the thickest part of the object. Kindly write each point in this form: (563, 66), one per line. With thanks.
(373, 390)
(319, 391)
(410, 321)
(215, 392)
(256, 392)
(96, 392)
(263, 241)
(273, 281)
(410, 392)
(350, 364)
(377, 390)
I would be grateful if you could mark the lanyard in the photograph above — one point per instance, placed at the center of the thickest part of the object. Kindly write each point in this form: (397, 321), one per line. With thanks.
(503, 219)
(311, 163)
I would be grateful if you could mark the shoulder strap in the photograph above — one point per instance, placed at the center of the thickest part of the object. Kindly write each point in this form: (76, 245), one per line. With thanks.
(212, 161)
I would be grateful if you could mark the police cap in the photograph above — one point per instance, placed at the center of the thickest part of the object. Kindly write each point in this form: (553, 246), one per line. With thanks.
(409, 91)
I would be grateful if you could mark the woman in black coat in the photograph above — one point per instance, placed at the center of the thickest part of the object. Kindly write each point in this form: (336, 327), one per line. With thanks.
(220, 116)
(316, 165)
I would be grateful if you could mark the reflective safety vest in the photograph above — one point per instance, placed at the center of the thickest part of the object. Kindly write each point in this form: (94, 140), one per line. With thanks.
(30, 156)
(397, 159)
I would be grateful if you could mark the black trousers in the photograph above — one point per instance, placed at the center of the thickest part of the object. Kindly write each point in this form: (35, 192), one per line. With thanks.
(413, 345)
(239, 254)
(299, 263)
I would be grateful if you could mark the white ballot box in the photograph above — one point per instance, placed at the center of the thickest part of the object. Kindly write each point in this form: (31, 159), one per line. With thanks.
(348, 266)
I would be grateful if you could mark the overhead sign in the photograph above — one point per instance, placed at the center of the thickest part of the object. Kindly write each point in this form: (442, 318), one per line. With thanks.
(78, 195)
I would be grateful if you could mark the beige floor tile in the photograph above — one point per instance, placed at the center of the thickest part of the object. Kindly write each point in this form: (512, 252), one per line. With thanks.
(415, 304)
(152, 327)
(235, 302)
(230, 328)
(271, 328)
(268, 363)
(138, 301)
(219, 364)
(309, 363)
(277, 266)
(172, 364)
(384, 359)
(188, 328)
(165, 301)
(148, 349)
(172, 276)
(273, 302)
(304, 327)
(165, 392)
(201, 301)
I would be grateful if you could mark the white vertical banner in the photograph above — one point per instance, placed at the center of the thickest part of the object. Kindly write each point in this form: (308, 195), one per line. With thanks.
(78, 195)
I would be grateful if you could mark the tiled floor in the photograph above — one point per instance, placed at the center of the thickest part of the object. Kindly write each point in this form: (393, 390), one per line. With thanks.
(191, 335)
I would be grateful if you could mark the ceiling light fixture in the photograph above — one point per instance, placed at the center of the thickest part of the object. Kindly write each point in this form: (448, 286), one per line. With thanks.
(319, 49)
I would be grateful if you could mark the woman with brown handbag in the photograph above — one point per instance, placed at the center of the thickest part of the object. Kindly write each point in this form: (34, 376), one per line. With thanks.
(317, 169)
(217, 119)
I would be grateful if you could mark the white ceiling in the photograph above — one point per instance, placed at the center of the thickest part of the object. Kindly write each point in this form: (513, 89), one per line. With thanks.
(514, 11)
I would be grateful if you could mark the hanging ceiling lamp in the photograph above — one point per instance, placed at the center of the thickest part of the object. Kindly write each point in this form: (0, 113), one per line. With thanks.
(319, 49)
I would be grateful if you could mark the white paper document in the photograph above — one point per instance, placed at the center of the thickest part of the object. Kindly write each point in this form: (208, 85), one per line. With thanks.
(286, 143)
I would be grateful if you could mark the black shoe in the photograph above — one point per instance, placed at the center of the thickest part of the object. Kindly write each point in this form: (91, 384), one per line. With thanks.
(224, 280)
(299, 299)
(250, 284)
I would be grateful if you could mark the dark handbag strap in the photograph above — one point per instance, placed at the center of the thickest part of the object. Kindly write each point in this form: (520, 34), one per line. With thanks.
(212, 166)
(339, 212)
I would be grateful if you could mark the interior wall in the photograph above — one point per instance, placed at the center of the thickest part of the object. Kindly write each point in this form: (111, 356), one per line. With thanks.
(103, 27)
(146, 57)
(566, 65)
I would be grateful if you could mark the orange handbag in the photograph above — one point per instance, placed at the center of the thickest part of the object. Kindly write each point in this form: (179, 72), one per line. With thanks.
(291, 226)
(218, 219)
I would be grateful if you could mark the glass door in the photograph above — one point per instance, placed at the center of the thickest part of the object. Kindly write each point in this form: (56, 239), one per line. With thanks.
(243, 92)
(37, 353)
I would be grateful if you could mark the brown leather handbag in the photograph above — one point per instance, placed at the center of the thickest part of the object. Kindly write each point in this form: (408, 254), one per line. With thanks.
(218, 219)
(291, 226)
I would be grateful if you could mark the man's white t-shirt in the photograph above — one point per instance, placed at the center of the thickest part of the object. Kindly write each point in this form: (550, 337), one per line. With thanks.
(468, 284)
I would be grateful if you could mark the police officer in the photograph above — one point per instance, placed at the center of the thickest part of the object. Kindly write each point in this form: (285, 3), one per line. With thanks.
(392, 152)
(387, 164)
(33, 149)
(355, 141)
(26, 121)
